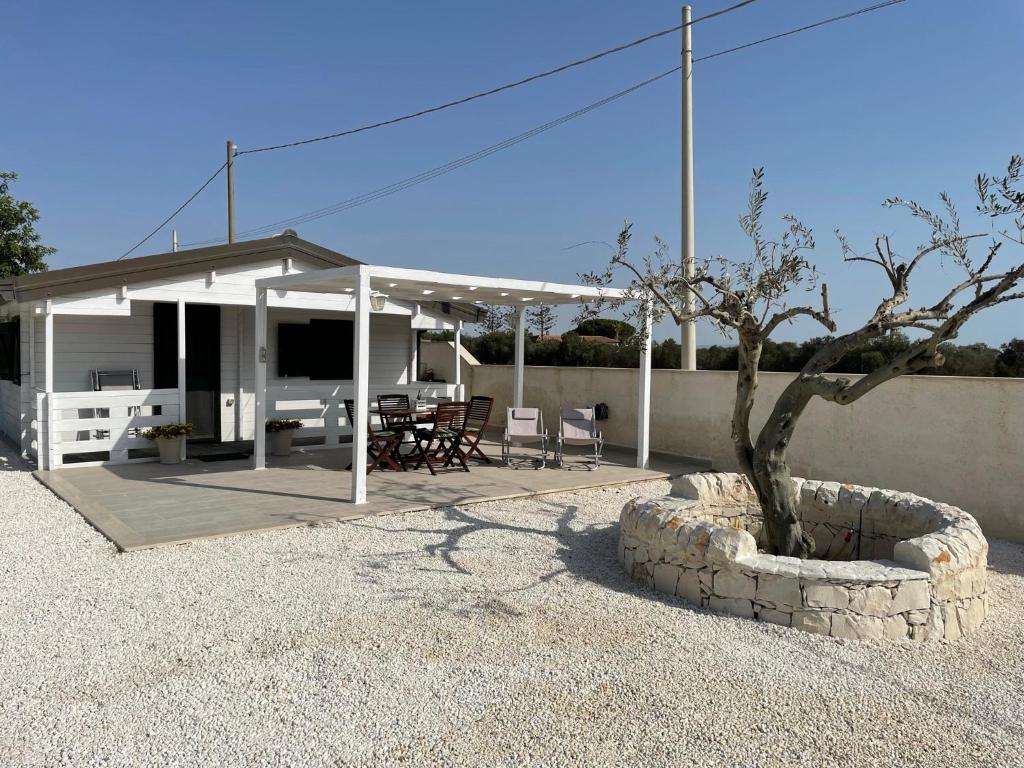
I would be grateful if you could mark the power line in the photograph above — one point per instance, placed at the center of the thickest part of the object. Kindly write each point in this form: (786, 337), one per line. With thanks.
(843, 17)
(438, 108)
(440, 170)
(179, 210)
(453, 165)
(498, 89)
(486, 152)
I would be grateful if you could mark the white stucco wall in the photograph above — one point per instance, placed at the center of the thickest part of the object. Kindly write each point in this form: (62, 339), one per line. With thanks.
(953, 439)
(440, 356)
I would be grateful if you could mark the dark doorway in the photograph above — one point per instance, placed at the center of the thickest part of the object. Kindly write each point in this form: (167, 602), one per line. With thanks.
(202, 362)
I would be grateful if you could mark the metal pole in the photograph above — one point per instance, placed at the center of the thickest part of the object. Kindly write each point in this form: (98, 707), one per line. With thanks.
(231, 191)
(688, 338)
(174, 240)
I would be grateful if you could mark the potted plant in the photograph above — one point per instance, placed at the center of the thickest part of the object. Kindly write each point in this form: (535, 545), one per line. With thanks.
(169, 439)
(281, 431)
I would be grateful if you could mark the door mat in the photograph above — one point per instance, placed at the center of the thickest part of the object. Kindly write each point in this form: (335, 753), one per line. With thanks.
(224, 456)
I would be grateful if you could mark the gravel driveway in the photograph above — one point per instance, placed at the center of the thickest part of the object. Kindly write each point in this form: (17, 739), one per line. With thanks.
(500, 634)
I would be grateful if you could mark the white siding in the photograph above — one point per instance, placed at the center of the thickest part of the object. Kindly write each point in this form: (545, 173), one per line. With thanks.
(82, 344)
(10, 411)
(28, 400)
(389, 356)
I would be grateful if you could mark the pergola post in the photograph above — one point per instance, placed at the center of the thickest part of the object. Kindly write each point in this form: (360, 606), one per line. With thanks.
(182, 380)
(459, 394)
(361, 382)
(52, 460)
(259, 454)
(517, 393)
(643, 415)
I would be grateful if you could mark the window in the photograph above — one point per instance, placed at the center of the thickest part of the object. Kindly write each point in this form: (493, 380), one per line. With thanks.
(331, 349)
(293, 352)
(321, 350)
(10, 351)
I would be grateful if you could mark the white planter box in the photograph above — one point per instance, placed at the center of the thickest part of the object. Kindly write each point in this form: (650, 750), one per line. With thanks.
(281, 442)
(170, 449)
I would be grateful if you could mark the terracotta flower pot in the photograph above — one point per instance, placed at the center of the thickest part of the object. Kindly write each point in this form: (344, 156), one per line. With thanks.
(281, 442)
(170, 449)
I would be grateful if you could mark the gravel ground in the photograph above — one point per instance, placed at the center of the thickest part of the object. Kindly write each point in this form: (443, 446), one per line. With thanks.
(495, 634)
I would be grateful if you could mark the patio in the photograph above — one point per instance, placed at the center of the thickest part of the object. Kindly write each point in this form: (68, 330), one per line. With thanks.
(138, 506)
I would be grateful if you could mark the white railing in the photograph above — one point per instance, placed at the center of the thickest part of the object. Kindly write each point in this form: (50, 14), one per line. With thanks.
(321, 409)
(96, 422)
(112, 422)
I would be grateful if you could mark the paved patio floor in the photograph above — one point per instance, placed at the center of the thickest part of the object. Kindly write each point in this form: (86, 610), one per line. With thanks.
(138, 506)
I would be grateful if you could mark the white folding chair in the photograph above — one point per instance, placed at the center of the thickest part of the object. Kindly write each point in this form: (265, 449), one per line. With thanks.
(524, 425)
(578, 426)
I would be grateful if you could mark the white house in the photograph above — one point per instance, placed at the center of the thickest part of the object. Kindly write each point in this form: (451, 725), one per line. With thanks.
(226, 336)
(64, 325)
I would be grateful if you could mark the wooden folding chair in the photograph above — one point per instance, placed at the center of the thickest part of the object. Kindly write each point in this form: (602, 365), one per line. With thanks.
(477, 417)
(443, 439)
(387, 405)
(382, 446)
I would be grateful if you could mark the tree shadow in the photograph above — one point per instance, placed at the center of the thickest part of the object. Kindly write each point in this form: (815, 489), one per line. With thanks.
(10, 461)
(1006, 557)
(585, 553)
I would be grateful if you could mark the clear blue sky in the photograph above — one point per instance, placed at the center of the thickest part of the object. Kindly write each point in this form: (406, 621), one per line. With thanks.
(115, 112)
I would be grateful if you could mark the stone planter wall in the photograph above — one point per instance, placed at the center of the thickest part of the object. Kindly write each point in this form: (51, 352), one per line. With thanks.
(926, 579)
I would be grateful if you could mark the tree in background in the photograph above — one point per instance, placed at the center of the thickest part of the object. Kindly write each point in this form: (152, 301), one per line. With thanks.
(20, 249)
(496, 319)
(541, 319)
(600, 326)
(750, 299)
(1011, 359)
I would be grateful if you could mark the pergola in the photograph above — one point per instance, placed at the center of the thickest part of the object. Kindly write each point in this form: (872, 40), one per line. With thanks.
(366, 284)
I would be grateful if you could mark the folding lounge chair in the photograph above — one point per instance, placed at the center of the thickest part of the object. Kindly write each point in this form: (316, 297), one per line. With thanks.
(524, 425)
(578, 426)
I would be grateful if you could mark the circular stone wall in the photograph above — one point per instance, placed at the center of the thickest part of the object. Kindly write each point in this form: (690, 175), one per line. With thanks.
(894, 565)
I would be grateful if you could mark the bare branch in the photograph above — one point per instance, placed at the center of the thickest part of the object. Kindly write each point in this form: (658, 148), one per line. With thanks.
(789, 314)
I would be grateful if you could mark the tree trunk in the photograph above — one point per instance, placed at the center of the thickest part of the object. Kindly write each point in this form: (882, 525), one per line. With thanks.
(749, 351)
(771, 476)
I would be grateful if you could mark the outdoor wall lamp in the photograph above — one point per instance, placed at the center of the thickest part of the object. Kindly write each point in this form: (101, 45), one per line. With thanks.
(377, 300)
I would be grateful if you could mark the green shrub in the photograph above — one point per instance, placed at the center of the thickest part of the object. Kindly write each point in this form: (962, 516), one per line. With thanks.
(168, 430)
(280, 425)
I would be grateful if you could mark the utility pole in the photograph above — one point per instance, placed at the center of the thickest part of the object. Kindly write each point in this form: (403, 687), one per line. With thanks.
(231, 191)
(174, 240)
(688, 339)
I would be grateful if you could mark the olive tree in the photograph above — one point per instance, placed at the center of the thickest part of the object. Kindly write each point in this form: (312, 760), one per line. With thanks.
(751, 298)
(21, 251)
